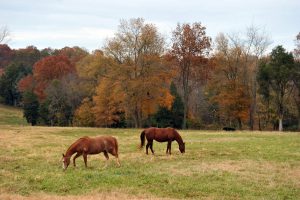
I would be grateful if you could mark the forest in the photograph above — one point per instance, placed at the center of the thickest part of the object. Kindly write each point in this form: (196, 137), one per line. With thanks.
(140, 78)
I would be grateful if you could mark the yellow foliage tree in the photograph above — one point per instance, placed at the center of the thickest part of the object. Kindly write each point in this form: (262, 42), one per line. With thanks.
(83, 115)
(107, 103)
(92, 68)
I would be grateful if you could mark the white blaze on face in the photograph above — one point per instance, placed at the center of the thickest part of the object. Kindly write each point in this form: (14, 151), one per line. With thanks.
(63, 164)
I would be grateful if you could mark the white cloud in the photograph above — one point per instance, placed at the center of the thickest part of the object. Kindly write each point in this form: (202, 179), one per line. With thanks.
(87, 23)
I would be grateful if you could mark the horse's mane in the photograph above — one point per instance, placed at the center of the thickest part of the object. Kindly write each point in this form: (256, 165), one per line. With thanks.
(177, 135)
(76, 143)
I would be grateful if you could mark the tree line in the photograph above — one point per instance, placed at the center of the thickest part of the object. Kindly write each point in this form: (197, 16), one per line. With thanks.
(138, 80)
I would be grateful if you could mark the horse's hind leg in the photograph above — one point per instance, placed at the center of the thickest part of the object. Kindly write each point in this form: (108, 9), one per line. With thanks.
(151, 147)
(76, 156)
(147, 146)
(118, 162)
(107, 157)
(115, 153)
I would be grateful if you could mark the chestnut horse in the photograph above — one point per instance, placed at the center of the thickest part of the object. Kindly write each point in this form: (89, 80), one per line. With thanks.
(87, 145)
(161, 135)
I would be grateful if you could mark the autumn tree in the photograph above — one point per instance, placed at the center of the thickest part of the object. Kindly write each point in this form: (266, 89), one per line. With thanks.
(296, 77)
(140, 74)
(6, 55)
(92, 68)
(226, 87)
(75, 54)
(108, 99)
(276, 77)
(63, 97)
(189, 50)
(83, 115)
(27, 56)
(59, 107)
(48, 69)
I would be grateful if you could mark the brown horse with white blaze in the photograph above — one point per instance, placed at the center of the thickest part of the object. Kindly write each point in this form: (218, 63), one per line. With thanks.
(161, 135)
(86, 145)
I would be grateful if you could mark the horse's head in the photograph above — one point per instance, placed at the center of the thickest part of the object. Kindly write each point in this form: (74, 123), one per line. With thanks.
(182, 147)
(66, 161)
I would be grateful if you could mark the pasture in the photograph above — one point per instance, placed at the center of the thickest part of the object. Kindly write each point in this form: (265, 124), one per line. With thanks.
(216, 165)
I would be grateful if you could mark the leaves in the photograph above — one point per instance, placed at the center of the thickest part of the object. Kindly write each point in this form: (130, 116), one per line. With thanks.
(189, 50)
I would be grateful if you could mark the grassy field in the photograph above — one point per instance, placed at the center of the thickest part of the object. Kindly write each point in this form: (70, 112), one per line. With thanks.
(216, 165)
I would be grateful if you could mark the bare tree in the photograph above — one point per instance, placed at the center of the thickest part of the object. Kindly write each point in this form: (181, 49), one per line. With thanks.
(257, 44)
(4, 35)
(297, 49)
(242, 53)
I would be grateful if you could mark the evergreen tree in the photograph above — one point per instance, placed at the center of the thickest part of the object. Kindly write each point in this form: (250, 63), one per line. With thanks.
(9, 83)
(31, 107)
(164, 118)
(177, 108)
(44, 116)
(171, 117)
(275, 78)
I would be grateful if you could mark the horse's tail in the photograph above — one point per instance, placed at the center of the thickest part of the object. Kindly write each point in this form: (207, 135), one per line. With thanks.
(142, 136)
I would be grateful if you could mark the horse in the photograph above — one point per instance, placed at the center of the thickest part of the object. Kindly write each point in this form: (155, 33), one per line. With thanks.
(161, 135)
(86, 145)
(228, 129)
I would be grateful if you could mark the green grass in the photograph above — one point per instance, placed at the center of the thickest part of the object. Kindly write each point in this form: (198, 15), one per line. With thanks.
(11, 116)
(216, 165)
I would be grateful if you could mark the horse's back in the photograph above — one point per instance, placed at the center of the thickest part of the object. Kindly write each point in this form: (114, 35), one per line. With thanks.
(160, 134)
(107, 142)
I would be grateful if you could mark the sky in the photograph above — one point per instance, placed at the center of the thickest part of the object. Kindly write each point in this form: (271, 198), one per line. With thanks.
(89, 23)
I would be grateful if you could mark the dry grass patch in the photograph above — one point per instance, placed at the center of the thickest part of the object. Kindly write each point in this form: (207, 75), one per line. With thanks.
(96, 196)
(247, 169)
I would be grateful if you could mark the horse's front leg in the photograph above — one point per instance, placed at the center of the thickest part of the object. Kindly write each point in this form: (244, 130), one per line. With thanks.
(107, 157)
(169, 147)
(85, 159)
(76, 156)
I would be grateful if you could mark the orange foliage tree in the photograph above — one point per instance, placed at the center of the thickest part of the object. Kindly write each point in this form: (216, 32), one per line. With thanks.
(139, 75)
(226, 86)
(48, 69)
(189, 50)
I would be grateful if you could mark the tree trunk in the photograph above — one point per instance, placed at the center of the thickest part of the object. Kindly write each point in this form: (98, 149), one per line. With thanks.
(298, 106)
(185, 107)
(184, 116)
(280, 124)
(240, 123)
(253, 107)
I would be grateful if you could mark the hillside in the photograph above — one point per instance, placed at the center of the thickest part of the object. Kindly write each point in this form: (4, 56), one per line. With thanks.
(11, 116)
